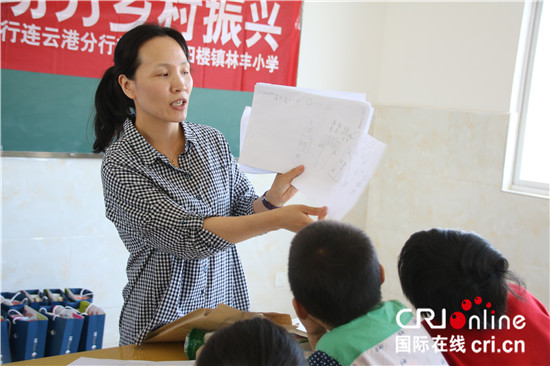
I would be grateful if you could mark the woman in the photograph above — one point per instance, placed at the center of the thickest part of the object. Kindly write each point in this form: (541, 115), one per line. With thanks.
(173, 189)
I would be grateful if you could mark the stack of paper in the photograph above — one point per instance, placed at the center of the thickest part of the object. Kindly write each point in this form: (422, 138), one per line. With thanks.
(327, 133)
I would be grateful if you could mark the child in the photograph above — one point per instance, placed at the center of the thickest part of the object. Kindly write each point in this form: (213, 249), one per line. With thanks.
(335, 277)
(253, 342)
(462, 279)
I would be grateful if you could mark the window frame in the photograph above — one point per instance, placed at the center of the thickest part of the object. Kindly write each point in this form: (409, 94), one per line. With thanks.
(519, 105)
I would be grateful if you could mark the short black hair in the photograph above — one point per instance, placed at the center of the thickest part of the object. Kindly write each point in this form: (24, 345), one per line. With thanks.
(252, 342)
(439, 268)
(333, 271)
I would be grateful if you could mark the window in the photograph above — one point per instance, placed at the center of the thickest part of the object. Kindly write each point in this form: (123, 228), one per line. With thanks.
(528, 154)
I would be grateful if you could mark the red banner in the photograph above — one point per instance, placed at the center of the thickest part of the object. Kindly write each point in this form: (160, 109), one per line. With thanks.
(233, 44)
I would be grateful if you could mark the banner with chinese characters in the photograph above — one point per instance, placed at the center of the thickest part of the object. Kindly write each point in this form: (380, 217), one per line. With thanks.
(233, 44)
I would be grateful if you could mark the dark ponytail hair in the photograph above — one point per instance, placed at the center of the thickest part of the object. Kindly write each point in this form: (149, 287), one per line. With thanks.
(112, 106)
(440, 268)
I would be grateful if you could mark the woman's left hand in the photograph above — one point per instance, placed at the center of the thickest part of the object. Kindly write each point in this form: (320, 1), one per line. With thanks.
(282, 189)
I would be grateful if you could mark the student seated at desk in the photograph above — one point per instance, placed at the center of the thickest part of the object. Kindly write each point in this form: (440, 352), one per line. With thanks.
(335, 277)
(253, 342)
(464, 281)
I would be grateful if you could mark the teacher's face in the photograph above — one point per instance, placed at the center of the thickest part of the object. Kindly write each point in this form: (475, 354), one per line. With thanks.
(162, 83)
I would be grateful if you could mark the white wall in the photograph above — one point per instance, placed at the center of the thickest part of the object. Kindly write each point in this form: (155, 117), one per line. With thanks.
(55, 234)
(450, 55)
(340, 46)
(435, 54)
(439, 76)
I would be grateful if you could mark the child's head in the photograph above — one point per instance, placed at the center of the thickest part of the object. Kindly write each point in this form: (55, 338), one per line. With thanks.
(334, 272)
(253, 342)
(440, 268)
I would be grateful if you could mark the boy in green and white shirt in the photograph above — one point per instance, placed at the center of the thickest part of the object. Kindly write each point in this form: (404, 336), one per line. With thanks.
(335, 277)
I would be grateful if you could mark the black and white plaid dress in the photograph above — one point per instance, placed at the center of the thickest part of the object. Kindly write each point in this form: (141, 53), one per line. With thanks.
(175, 266)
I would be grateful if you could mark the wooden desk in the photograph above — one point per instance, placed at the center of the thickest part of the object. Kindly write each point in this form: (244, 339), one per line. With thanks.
(149, 352)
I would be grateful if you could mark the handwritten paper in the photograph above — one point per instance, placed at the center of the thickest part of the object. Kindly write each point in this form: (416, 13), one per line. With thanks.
(327, 134)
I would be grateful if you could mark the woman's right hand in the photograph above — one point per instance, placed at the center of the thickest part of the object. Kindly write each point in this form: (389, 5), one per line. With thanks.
(295, 217)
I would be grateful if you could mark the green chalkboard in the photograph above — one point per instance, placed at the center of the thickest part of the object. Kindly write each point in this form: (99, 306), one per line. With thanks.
(54, 113)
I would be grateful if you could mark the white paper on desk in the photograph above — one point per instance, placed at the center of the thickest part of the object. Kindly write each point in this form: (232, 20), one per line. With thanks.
(88, 361)
(328, 135)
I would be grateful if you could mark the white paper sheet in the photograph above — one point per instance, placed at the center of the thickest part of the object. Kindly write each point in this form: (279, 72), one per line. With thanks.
(244, 127)
(327, 134)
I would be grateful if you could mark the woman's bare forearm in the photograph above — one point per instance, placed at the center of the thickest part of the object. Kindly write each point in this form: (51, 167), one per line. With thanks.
(239, 228)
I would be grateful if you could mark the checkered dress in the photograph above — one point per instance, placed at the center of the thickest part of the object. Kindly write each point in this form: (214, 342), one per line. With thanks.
(175, 266)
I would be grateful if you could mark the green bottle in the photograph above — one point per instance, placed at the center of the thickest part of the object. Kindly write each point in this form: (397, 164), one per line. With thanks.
(194, 340)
